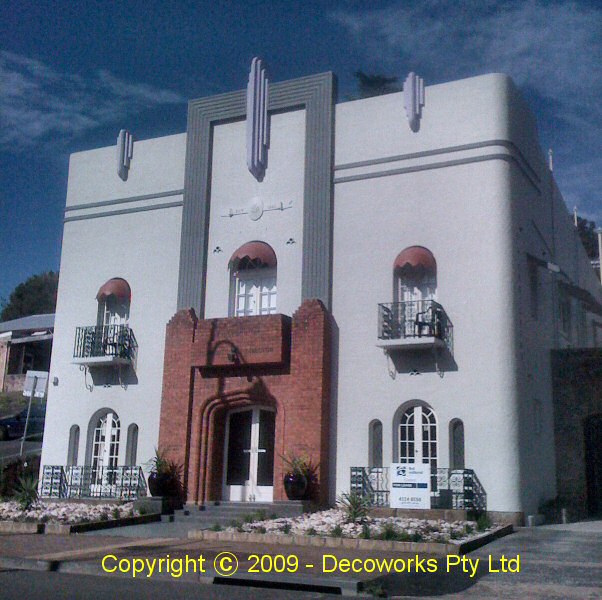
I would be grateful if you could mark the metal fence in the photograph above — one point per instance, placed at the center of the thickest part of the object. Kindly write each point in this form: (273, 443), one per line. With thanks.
(415, 319)
(450, 488)
(105, 340)
(123, 483)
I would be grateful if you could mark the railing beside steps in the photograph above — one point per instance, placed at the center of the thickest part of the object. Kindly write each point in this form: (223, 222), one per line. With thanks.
(122, 483)
(450, 488)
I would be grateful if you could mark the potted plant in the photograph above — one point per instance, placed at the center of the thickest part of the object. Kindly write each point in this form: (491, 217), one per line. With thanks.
(299, 477)
(165, 475)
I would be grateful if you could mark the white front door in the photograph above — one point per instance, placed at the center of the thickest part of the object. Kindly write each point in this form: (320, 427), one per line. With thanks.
(105, 454)
(249, 455)
(418, 436)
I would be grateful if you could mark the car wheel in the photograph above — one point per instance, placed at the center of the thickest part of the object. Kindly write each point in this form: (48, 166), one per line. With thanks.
(3, 434)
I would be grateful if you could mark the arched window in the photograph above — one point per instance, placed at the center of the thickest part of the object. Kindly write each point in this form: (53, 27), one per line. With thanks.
(415, 289)
(131, 446)
(415, 274)
(73, 448)
(375, 437)
(102, 453)
(114, 302)
(417, 436)
(253, 280)
(456, 444)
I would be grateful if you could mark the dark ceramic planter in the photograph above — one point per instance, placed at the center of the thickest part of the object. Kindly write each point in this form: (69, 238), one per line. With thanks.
(162, 485)
(295, 486)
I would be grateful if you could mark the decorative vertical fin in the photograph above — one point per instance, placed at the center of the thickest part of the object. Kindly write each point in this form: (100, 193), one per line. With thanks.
(413, 99)
(258, 124)
(125, 152)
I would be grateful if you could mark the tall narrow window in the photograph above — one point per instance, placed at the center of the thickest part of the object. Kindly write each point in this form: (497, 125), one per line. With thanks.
(131, 447)
(415, 289)
(73, 447)
(253, 280)
(456, 444)
(104, 454)
(417, 436)
(111, 334)
(375, 458)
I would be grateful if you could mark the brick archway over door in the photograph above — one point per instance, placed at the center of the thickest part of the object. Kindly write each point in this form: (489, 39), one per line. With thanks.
(215, 365)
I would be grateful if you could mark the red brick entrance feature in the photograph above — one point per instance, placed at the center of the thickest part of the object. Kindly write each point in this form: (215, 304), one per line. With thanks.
(213, 366)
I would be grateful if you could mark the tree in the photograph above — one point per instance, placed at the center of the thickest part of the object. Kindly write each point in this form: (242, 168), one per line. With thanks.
(589, 238)
(375, 85)
(35, 296)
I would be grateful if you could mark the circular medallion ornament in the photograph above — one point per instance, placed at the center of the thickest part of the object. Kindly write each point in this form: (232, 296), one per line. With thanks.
(255, 209)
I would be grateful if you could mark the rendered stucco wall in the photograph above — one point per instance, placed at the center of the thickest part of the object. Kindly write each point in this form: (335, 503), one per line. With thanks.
(234, 188)
(135, 240)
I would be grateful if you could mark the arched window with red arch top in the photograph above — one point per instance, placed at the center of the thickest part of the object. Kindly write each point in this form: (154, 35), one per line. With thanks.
(253, 288)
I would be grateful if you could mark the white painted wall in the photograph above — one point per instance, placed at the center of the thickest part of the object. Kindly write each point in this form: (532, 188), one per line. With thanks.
(469, 216)
(143, 248)
(233, 187)
(480, 213)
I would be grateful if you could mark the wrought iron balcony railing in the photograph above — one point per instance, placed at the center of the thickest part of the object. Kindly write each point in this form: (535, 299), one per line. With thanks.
(450, 488)
(413, 320)
(109, 343)
(122, 482)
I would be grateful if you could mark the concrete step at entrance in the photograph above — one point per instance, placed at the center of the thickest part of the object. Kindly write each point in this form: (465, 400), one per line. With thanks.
(225, 513)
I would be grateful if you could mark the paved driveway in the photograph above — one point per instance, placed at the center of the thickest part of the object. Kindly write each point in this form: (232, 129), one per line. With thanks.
(556, 562)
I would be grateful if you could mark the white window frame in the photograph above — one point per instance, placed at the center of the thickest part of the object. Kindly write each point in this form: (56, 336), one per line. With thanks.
(259, 294)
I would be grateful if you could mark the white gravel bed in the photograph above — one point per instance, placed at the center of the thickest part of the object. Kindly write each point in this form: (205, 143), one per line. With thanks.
(333, 523)
(63, 512)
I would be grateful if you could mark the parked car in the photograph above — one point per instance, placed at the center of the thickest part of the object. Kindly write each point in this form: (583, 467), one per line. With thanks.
(14, 426)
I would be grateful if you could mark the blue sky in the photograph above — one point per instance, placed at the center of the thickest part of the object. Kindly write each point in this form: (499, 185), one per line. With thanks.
(73, 73)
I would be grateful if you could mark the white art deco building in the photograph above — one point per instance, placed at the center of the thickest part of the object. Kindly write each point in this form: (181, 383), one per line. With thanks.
(374, 281)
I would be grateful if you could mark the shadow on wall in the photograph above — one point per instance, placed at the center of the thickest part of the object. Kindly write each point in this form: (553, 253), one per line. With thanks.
(423, 361)
(109, 376)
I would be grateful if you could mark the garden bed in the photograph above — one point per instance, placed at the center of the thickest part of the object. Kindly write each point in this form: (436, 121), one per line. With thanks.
(68, 517)
(331, 529)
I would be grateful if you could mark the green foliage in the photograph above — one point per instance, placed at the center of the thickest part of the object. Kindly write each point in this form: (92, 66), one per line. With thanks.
(142, 510)
(300, 464)
(354, 505)
(26, 493)
(366, 533)
(104, 516)
(286, 528)
(35, 296)
(336, 531)
(389, 533)
(375, 85)
(116, 513)
(483, 522)
(311, 531)
(216, 527)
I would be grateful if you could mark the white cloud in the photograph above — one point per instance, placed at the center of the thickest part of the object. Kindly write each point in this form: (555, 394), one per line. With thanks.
(553, 50)
(38, 103)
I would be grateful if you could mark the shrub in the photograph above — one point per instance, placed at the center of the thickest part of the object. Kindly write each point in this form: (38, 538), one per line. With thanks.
(354, 505)
(365, 535)
(336, 532)
(216, 527)
(26, 493)
(483, 522)
(286, 528)
(311, 531)
(389, 532)
(116, 513)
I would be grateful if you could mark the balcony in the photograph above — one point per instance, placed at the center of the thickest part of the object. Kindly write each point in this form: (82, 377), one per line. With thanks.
(414, 325)
(104, 345)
